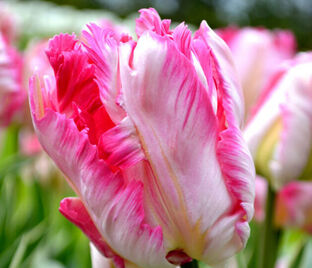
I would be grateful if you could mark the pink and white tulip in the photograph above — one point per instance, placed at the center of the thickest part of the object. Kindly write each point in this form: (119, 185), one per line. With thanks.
(279, 133)
(148, 134)
(12, 94)
(257, 52)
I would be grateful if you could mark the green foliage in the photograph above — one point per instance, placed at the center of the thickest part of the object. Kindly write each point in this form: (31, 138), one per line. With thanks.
(32, 231)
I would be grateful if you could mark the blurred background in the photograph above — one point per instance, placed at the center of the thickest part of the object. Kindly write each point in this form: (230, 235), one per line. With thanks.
(294, 15)
(32, 231)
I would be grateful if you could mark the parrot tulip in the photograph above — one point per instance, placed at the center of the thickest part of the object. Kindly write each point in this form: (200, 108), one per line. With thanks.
(279, 133)
(148, 135)
(257, 52)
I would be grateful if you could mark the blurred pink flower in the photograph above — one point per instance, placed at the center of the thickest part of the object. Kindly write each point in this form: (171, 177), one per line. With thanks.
(12, 94)
(29, 144)
(8, 25)
(148, 135)
(256, 53)
(294, 206)
(279, 133)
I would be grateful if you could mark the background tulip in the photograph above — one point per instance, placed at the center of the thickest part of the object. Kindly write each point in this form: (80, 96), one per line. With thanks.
(11, 91)
(153, 148)
(8, 24)
(279, 133)
(294, 206)
(256, 53)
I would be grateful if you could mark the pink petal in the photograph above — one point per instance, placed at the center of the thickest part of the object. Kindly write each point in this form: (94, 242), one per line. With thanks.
(74, 210)
(120, 145)
(287, 100)
(99, 261)
(177, 127)
(238, 175)
(224, 69)
(224, 239)
(257, 52)
(293, 151)
(77, 92)
(150, 21)
(116, 208)
(102, 45)
(183, 37)
(74, 75)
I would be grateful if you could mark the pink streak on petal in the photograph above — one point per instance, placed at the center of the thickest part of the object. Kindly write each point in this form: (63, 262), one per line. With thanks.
(183, 37)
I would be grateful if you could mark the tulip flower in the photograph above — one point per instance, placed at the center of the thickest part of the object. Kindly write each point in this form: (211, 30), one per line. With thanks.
(8, 24)
(256, 53)
(279, 133)
(147, 133)
(11, 91)
(294, 206)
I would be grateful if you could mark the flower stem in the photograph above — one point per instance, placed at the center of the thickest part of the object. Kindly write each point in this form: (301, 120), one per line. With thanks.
(192, 264)
(270, 234)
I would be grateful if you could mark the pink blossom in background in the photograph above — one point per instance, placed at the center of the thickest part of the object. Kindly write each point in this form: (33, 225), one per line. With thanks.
(257, 52)
(8, 24)
(29, 144)
(294, 206)
(12, 94)
(279, 132)
(148, 134)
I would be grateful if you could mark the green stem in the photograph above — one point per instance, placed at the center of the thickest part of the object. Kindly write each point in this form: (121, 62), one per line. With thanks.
(192, 264)
(270, 234)
(296, 260)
